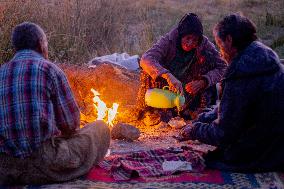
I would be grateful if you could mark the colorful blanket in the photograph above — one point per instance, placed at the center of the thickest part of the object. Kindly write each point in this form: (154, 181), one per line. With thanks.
(150, 163)
(99, 177)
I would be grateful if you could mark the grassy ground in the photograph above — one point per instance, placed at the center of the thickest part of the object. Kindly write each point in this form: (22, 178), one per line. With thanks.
(79, 30)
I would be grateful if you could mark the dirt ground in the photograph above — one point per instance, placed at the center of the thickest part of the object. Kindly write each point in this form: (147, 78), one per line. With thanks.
(152, 137)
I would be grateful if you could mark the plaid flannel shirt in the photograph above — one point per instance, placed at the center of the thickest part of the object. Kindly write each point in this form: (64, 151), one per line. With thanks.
(36, 103)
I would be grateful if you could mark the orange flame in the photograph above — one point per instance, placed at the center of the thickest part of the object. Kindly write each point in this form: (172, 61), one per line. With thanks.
(103, 112)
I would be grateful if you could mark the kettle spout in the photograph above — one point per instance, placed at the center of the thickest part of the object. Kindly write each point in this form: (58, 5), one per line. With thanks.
(179, 102)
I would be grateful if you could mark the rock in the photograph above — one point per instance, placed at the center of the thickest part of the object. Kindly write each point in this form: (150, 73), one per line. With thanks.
(177, 122)
(130, 115)
(162, 125)
(125, 131)
(151, 118)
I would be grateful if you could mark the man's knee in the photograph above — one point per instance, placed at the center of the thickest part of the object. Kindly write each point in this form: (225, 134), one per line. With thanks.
(100, 131)
(96, 126)
(79, 152)
(101, 137)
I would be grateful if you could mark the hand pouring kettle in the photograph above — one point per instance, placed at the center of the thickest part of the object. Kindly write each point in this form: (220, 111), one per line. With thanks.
(163, 98)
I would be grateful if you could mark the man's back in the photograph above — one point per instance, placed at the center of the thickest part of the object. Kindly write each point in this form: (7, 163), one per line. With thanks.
(258, 77)
(32, 96)
(36, 105)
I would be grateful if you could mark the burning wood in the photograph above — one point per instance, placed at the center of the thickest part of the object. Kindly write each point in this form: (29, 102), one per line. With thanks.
(103, 112)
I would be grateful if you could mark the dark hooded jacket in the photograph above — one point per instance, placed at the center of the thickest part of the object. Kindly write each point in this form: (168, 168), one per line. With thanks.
(249, 130)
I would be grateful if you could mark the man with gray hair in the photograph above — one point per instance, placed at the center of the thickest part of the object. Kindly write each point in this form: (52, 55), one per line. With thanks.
(40, 139)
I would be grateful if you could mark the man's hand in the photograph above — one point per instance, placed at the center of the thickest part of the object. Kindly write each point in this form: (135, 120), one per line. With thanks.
(184, 133)
(174, 84)
(194, 87)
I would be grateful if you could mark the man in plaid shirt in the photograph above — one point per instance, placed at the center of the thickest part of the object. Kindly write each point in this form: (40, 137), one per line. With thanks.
(39, 131)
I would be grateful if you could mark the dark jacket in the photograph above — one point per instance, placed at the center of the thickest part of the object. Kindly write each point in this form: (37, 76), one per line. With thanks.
(209, 64)
(249, 130)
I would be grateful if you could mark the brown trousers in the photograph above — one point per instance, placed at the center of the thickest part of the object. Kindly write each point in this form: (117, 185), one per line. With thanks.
(59, 159)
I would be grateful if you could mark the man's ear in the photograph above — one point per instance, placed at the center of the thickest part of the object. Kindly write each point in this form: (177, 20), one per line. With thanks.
(41, 48)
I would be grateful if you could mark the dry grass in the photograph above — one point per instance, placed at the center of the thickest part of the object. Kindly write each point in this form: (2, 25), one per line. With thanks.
(78, 30)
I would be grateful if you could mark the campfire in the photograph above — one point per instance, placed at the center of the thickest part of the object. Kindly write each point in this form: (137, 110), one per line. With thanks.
(100, 111)
(103, 112)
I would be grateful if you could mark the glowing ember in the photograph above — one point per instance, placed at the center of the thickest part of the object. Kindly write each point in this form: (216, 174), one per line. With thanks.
(103, 112)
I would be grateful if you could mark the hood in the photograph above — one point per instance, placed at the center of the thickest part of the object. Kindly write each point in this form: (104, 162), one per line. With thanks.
(256, 59)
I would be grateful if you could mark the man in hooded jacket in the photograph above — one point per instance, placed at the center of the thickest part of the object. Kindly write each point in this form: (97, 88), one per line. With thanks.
(249, 129)
(186, 61)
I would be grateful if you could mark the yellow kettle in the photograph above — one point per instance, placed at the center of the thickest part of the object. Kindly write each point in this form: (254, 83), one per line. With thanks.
(163, 98)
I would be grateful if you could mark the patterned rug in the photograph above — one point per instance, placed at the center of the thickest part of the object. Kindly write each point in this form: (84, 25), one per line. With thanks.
(99, 178)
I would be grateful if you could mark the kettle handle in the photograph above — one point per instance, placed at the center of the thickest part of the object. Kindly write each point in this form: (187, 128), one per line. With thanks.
(166, 88)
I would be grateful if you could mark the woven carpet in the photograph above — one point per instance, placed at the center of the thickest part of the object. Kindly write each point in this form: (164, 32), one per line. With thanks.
(99, 178)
